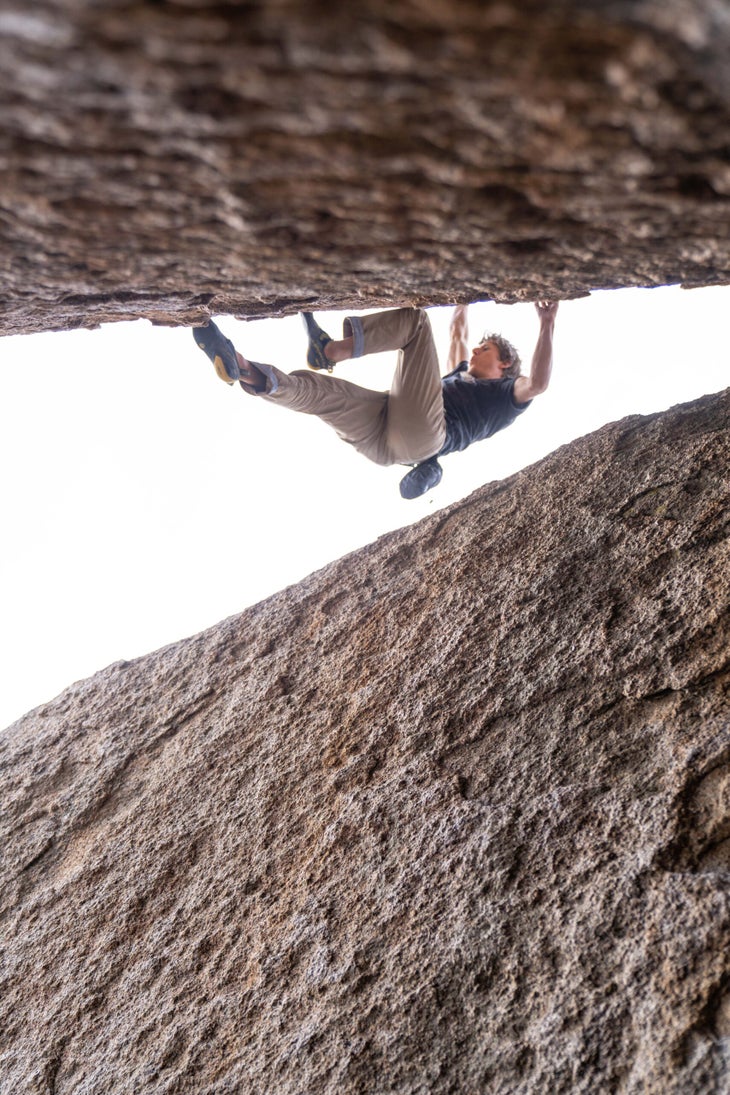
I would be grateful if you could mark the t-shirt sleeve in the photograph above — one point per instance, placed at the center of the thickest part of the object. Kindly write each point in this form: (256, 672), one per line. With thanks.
(460, 368)
(518, 408)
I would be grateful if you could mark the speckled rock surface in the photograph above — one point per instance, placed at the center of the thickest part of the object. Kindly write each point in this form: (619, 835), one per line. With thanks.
(451, 815)
(180, 158)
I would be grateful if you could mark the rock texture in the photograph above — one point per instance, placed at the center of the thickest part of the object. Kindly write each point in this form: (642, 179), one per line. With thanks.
(452, 815)
(176, 158)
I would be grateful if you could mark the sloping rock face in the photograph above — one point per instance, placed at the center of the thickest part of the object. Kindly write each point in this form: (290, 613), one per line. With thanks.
(180, 158)
(452, 815)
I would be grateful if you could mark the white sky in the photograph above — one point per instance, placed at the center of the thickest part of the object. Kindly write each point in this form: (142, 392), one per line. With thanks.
(143, 500)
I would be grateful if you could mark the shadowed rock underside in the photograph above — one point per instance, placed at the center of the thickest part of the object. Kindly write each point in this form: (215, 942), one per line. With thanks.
(451, 815)
(171, 160)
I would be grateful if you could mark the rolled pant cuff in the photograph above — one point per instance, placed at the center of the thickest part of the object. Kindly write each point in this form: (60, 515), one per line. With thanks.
(272, 380)
(358, 338)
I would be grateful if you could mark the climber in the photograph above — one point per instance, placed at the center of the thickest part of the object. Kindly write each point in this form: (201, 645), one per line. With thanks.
(422, 416)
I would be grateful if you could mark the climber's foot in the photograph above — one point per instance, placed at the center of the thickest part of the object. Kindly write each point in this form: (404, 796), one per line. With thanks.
(319, 340)
(220, 350)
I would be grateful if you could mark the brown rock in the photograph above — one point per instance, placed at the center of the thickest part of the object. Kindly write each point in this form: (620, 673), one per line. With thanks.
(452, 815)
(176, 159)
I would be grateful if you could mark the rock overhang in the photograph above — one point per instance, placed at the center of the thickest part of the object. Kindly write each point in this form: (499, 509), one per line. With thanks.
(174, 161)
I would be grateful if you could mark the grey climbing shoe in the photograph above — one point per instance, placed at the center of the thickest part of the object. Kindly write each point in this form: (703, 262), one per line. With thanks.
(423, 477)
(220, 350)
(318, 339)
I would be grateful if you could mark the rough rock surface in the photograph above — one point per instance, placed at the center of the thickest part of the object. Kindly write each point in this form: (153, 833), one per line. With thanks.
(176, 158)
(451, 815)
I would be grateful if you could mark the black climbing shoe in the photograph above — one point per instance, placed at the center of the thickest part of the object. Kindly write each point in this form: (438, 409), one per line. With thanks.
(421, 478)
(318, 339)
(220, 350)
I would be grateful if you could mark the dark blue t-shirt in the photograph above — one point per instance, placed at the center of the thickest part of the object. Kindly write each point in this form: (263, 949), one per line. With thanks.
(475, 409)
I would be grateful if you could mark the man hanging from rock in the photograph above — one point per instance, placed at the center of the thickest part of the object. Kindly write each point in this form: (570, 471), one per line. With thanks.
(423, 416)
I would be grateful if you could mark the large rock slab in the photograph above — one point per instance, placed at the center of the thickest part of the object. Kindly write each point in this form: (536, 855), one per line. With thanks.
(453, 814)
(178, 159)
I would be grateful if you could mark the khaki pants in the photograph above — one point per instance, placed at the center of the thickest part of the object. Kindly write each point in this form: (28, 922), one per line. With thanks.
(402, 426)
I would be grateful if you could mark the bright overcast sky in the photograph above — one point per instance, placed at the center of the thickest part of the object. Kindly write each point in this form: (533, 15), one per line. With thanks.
(143, 500)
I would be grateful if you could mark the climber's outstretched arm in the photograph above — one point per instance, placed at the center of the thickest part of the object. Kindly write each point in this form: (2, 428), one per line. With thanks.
(459, 349)
(527, 387)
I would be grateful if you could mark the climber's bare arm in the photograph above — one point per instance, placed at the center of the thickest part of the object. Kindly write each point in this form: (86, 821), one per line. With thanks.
(527, 387)
(458, 349)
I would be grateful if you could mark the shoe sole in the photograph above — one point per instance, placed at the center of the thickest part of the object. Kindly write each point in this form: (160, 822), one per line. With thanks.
(220, 367)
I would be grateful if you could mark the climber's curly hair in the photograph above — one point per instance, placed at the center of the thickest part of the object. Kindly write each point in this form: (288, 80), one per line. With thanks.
(507, 352)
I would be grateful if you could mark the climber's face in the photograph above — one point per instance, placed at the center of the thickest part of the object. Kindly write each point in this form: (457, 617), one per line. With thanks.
(484, 363)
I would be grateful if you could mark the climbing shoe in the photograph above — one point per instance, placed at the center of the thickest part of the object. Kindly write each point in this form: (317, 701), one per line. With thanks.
(421, 478)
(220, 350)
(318, 339)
